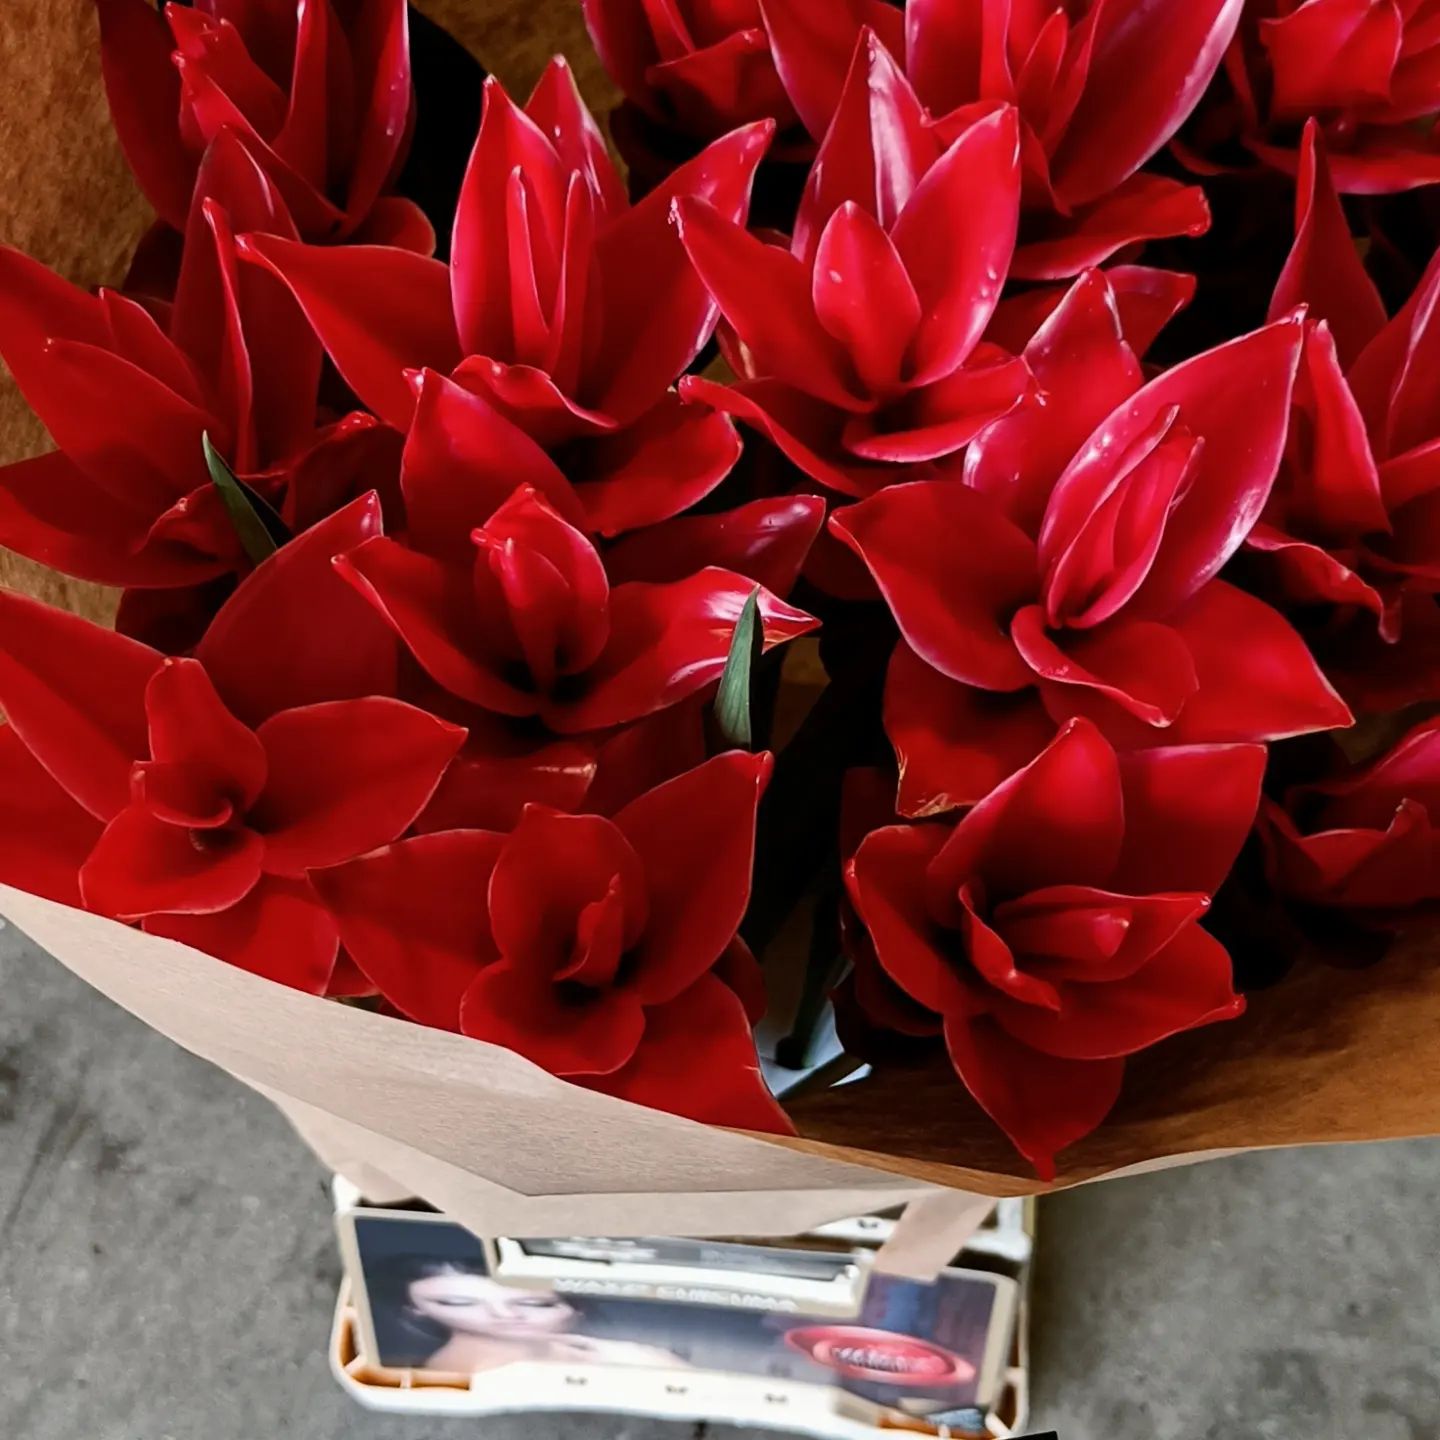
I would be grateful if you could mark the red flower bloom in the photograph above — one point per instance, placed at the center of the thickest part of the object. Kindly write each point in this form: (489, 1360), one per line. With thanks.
(127, 499)
(1100, 88)
(702, 67)
(1055, 930)
(860, 349)
(587, 945)
(1352, 528)
(569, 310)
(1363, 844)
(316, 92)
(1108, 605)
(518, 617)
(210, 826)
(1368, 70)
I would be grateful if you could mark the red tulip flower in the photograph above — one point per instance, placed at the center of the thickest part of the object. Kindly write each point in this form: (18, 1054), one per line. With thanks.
(1055, 930)
(1109, 605)
(519, 618)
(1351, 533)
(316, 92)
(566, 308)
(588, 945)
(1362, 847)
(211, 826)
(127, 498)
(1367, 70)
(702, 67)
(1100, 88)
(859, 349)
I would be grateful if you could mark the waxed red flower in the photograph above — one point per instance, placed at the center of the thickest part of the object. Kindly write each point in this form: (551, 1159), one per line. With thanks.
(1351, 533)
(569, 310)
(1100, 88)
(1063, 581)
(519, 618)
(701, 67)
(316, 92)
(859, 350)
(1055, 930)
(1368, 70)
(1363, 845)
(210, 826)
(588, 945)
(127, 498)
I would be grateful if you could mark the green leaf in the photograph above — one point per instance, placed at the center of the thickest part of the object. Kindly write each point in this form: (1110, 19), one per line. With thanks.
(732, 701)
(262, 532)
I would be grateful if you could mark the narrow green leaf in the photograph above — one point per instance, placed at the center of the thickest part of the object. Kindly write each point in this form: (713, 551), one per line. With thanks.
(732, 701)
(262, 532)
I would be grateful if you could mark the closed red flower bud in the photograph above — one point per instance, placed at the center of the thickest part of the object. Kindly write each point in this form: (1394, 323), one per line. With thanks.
(1363, 846)
(1054, 931)
(565, 308)
(316, 92)
(127, 498)
(1367, 70)
(520, 619)
(210, 826)
(1067, 581)
(860, 350)
(588, 945)
(1100, 88)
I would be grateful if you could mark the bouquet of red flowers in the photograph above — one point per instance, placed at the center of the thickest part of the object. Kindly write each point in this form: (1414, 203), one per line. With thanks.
(938, 544)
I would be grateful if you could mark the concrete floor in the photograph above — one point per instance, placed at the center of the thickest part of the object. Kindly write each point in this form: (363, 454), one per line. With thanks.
(167, 1272)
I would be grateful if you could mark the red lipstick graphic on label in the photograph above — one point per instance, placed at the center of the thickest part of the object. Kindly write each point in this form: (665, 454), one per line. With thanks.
(859, 1353)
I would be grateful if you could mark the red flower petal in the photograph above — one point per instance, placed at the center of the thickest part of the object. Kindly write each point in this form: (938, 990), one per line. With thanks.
(739, 970)
(887, 885)
(44, 835)
(1324, 269)
(345, 777)
(764, 293)
(1144, 207)
(697, 1058)
(414, 917)
(297, 595)
(462, 460)
(279, 930)
(864, 297)
(1185, 984)
(877, 147)
(1147, 71)
(1236, 399)
(568, 1036)
(190, 725)
(1041, 1103)
(957, 251)
(766, 540)
(1332, 52)
(143, 89)
(646, 753)
(1059, 821)
(953, 743)
(74, 693)
(657, 311)
(1188, 810)
(695, 836)
(952, 569)
(668, 460)
(142, 866)
(378, 311)
(813, 41)
(667, 642)
(1257, 679)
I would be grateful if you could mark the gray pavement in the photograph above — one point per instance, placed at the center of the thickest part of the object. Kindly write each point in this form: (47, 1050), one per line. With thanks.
(167, 1272)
